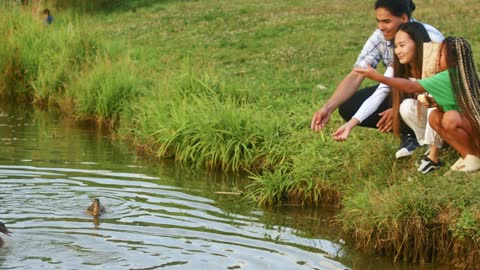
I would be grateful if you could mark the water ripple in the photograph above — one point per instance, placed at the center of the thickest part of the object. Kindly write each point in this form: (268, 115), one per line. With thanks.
(50, 170)
(148, 225)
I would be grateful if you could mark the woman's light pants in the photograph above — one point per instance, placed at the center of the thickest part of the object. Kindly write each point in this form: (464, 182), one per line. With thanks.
(417, 119)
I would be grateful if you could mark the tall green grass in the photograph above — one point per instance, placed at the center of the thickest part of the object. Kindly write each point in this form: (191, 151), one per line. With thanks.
(38, 60)
(417, 220)
(203, 121)
(64, 64)
(104, 88)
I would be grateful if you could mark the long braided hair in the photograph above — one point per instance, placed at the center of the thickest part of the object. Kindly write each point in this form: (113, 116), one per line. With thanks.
(465, 82)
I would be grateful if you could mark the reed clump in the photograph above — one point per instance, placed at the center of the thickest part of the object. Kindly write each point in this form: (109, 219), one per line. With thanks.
(195, 120)
(419, 221)
(38, 61)
(104, 88)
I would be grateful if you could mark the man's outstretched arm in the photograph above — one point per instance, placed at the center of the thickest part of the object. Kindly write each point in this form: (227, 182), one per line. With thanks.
(344, 91)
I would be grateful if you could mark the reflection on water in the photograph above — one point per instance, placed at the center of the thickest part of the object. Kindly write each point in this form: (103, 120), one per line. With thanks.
(156, 217)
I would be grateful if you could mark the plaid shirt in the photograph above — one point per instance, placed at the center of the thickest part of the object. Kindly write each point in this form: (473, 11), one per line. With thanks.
(377, 48)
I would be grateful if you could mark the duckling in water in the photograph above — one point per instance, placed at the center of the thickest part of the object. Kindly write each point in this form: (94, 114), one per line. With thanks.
(95, 209)
(4, 230)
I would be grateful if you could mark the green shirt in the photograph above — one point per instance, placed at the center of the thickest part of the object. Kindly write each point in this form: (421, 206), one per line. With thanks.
(440, 87)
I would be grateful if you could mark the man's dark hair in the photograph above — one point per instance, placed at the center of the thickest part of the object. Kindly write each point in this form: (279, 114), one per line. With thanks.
(397, 7)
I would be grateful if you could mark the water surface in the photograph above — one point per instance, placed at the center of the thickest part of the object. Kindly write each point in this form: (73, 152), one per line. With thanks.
(158, 217)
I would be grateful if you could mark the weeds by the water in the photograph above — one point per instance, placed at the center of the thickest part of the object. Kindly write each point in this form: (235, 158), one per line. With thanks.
(417, 220)
(103, 89)
(198, 121)
(38, 62)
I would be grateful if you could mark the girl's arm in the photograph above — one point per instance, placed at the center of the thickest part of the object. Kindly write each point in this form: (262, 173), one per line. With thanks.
(404, 85)
(371, 104)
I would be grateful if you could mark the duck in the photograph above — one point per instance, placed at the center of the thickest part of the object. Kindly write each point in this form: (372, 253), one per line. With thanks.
(4, 230)
(95, 209)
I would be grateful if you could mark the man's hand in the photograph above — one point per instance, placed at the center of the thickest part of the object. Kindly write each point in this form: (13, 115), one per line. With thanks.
(385, 123)
(320, 119)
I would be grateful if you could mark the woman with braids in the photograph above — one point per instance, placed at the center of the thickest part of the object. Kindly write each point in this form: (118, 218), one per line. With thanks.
(456, 90)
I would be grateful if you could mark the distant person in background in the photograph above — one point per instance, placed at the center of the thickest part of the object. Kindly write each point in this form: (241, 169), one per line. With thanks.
(47, 17)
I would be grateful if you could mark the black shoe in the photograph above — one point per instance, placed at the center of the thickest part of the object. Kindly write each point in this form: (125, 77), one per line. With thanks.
(408, 145)
(427, 165)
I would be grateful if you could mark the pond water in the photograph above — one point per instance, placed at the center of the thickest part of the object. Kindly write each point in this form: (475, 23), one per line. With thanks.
(158, 216)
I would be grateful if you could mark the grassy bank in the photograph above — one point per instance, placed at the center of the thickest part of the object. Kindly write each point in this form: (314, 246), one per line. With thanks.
(232, 85)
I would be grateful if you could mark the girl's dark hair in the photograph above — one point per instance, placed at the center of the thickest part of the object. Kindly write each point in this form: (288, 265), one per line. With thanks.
(465, 82)
(397, 7)
(417, 32)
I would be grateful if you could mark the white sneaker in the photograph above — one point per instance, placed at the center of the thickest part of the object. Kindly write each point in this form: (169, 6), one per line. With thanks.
(427, 165)
(407, 147)
(471, 163)
(457, 164)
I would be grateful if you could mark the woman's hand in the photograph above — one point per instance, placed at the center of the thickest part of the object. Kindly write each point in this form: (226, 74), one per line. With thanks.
(367, 71)
(432, 103)
(342, 132)
(428, 101)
